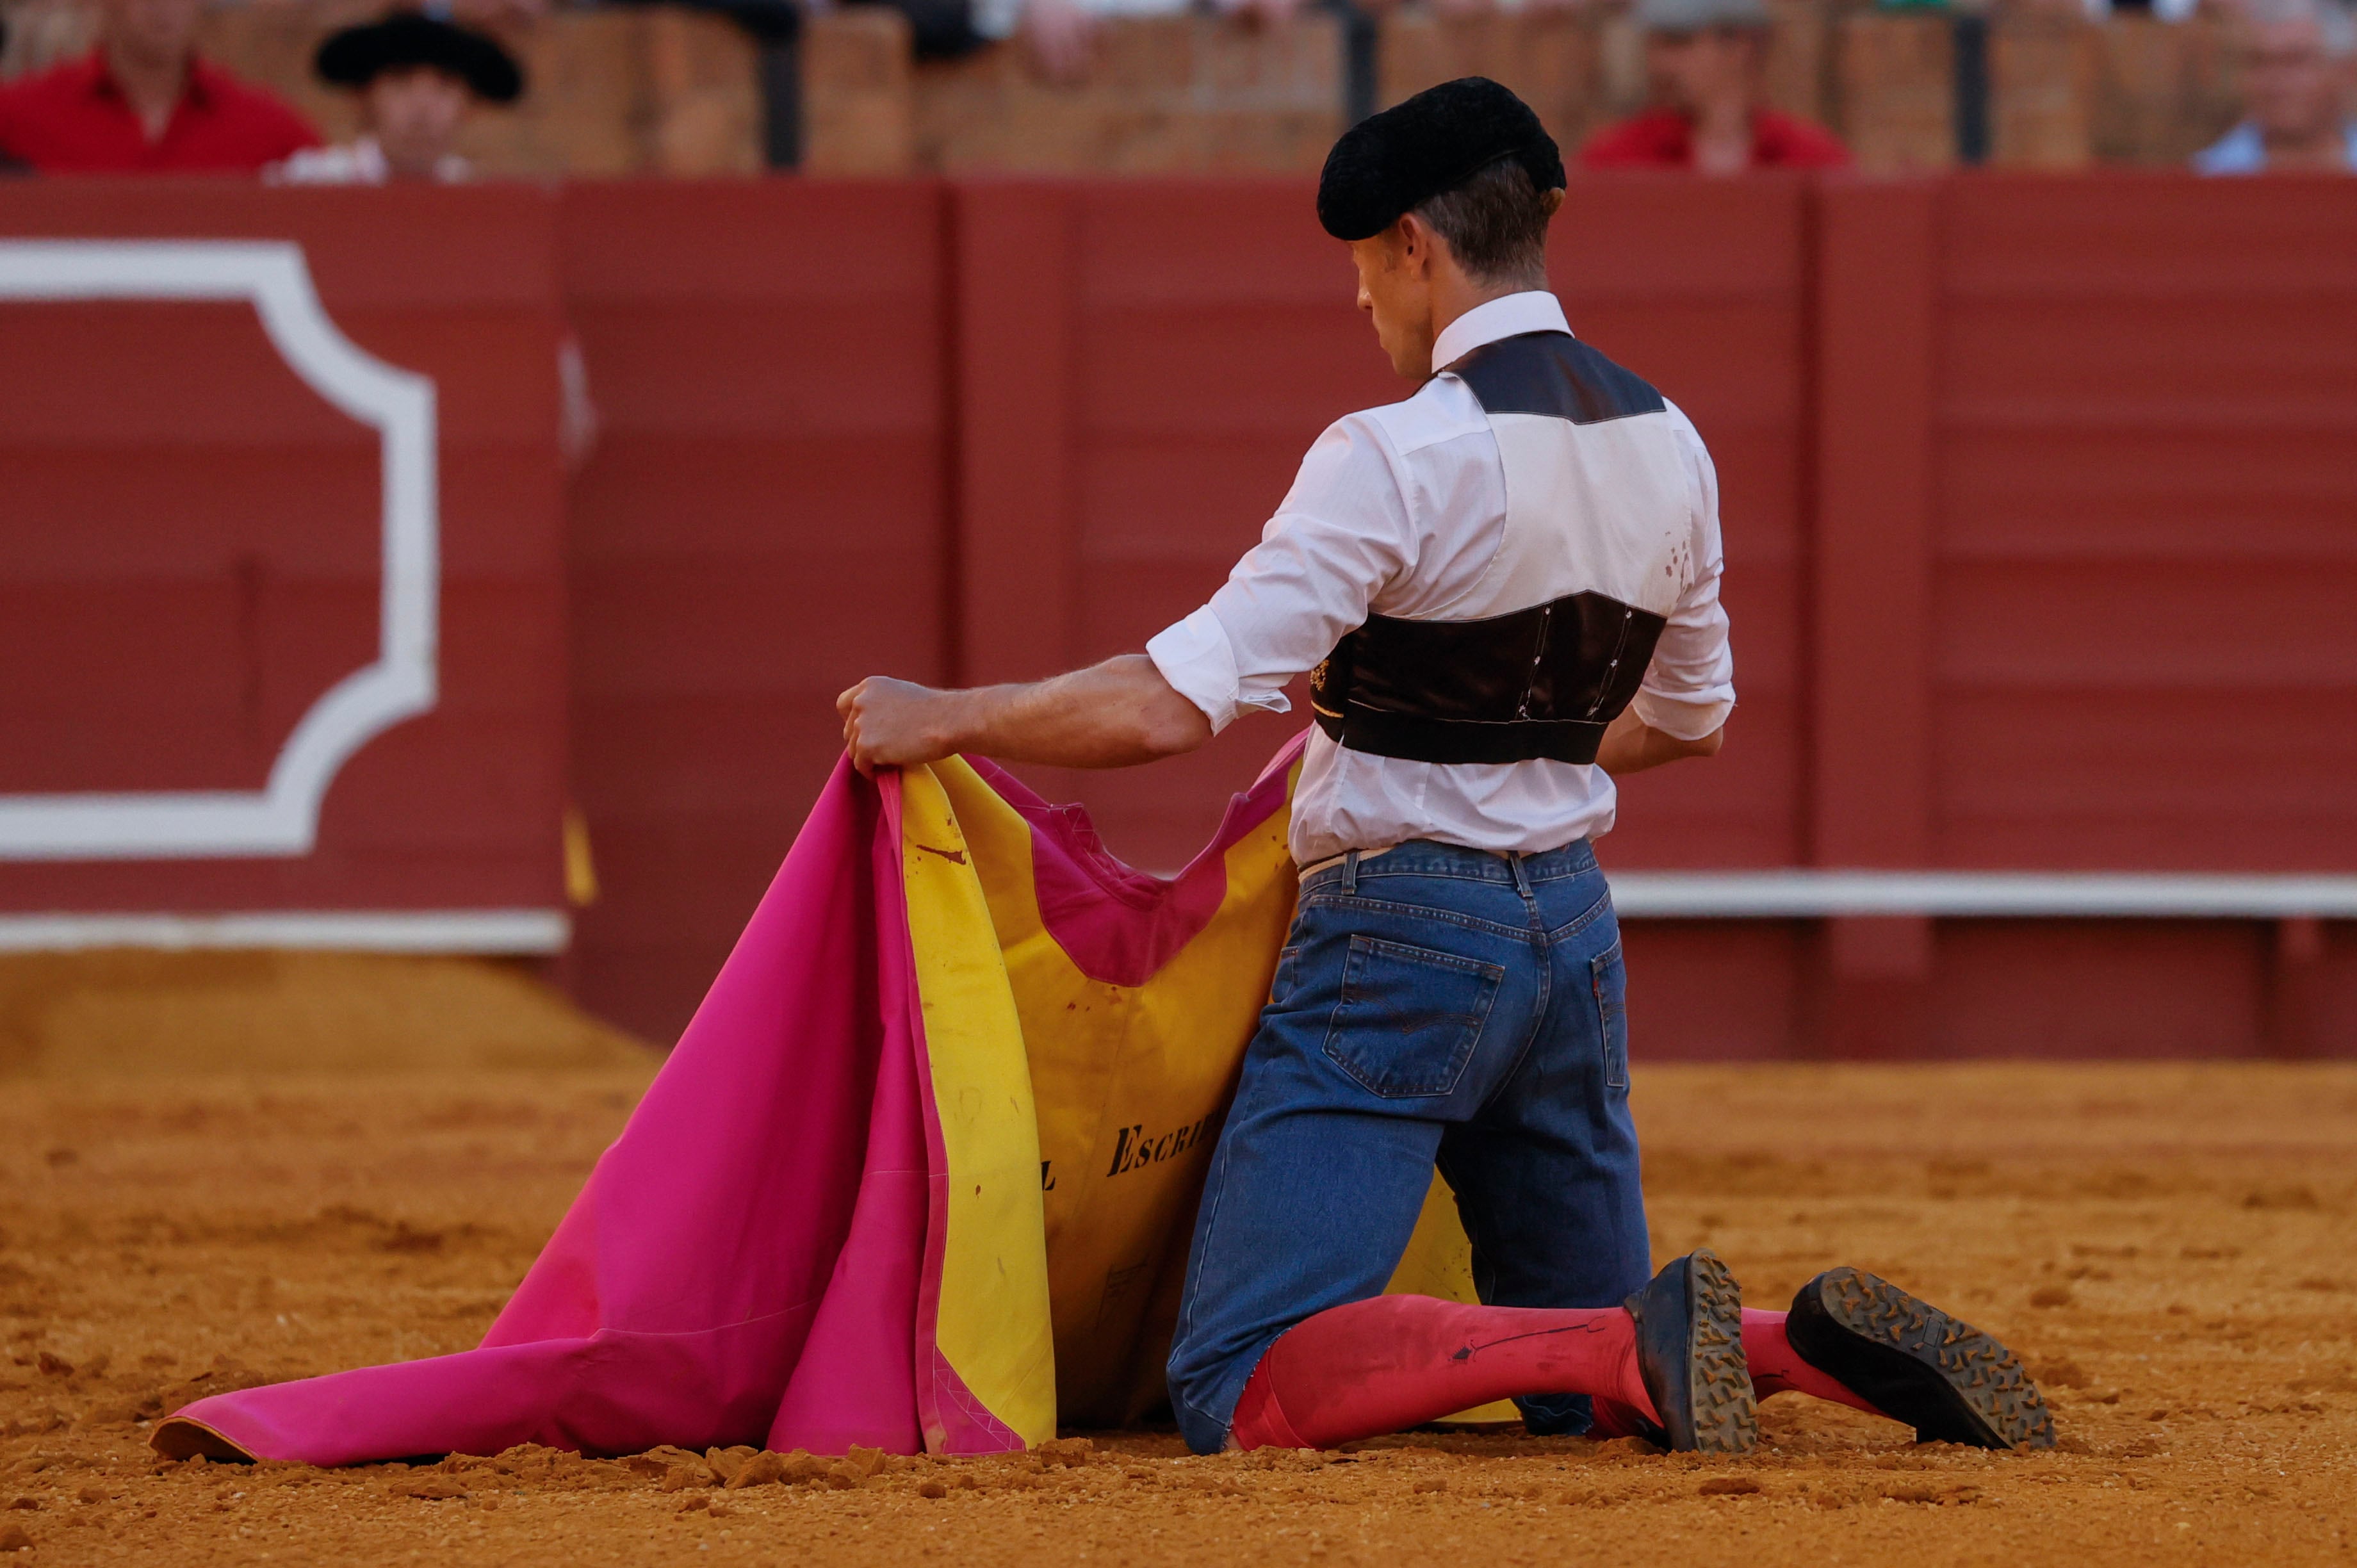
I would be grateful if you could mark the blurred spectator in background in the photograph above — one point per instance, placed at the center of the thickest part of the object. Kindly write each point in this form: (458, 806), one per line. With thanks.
(417, 77)
(143, 103)
(1707, 59)
(2296, 75)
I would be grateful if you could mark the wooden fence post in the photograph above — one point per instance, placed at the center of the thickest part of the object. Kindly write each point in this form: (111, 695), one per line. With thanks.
(859, 96)
(1870, 790)
(1897, 76)
(2042, 90)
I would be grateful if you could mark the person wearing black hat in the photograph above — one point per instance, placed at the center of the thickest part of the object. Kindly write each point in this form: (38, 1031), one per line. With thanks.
(417, 78)
(1505, 592)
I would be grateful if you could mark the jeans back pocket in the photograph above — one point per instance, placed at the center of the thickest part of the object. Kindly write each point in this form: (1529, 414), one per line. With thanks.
(1409, 1018)
(1609, 979)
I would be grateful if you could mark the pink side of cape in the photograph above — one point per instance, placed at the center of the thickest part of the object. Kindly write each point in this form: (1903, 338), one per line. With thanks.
(764, 1180)
(756, 1258)
(1118, 925)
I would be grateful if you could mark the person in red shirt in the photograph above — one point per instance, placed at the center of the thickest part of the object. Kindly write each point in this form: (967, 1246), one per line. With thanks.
(1709, 113)
(142, 102)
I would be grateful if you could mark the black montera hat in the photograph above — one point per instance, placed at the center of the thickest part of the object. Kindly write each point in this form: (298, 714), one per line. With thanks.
(354, 56)
(1391, 163)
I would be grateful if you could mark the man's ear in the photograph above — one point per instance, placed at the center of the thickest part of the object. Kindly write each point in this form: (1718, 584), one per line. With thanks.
(1419, 243)
(1551, 200)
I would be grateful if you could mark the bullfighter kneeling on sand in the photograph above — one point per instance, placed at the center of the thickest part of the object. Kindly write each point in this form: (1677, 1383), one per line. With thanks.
(1506, 592)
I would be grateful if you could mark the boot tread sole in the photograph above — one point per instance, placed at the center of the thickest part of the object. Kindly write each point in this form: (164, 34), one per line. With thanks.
(1725, 1409)
(2000, 1403)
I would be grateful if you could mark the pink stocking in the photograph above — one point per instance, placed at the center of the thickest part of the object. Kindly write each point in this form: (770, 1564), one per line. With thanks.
(1777, 1368)
(1394, 1361)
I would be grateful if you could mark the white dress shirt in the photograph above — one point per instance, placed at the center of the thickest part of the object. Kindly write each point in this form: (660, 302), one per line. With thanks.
(1402, 511)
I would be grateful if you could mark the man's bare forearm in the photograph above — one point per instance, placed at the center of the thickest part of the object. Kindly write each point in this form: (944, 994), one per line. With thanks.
(1113, 714)
(1632, 745)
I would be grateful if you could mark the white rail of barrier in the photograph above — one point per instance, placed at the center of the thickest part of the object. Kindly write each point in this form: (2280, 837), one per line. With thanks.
(2023, 894)
(397, 931)
(1638, 895)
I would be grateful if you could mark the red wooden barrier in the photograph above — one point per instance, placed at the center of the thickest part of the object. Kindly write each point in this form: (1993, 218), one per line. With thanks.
(192, 545)
(764, 519)
(2145, 408)
(1142, 366)
(2037, 500)
(2089, 453)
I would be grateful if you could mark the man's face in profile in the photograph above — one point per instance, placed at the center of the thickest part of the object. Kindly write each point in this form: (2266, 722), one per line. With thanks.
(1395, 293)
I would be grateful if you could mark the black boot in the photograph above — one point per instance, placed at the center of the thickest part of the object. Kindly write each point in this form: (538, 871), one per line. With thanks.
(1690, 1350)
(1949, 1381)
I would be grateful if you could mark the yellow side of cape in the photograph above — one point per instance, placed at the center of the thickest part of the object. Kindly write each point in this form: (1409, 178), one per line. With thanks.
(1107, 1099)
(993, 1316)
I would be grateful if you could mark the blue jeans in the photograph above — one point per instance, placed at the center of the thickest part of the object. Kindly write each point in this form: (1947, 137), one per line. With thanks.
(1435, 1006)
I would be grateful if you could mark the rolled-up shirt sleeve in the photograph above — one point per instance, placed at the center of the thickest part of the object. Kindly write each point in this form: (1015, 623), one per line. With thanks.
(1340, 537)
(1689, 688)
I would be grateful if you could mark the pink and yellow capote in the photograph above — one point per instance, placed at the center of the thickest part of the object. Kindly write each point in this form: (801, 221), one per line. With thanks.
(918, 1176)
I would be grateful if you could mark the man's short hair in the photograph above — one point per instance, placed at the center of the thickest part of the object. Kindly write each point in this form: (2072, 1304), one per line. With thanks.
(1495, 223)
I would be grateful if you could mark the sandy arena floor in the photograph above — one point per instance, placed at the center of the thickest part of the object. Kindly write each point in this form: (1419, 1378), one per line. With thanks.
(2169, 1247)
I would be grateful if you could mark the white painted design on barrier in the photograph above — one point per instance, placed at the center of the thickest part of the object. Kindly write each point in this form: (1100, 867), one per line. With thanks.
(339, 930)
(284, 817)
